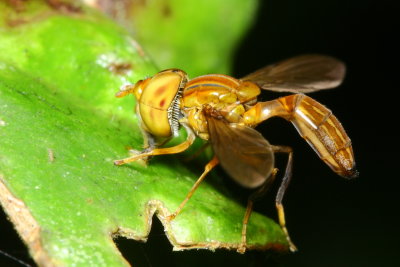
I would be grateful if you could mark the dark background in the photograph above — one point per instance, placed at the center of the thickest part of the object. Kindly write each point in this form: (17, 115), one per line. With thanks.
(336, 222)
(333, 221)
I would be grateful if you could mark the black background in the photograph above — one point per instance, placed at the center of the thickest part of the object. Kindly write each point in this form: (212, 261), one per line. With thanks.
(333, 221)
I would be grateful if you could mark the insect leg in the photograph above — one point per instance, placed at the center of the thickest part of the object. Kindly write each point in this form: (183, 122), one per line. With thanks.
(254, 197)
(152, 151)
(281, 191)
(210, 165)
(149, 144)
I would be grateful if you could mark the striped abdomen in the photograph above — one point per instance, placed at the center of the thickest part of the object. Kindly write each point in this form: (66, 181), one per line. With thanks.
(315, 123)
(322, 130)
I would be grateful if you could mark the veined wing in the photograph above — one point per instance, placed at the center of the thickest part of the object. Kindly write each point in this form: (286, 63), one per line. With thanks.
(242, 151)
(301, 74)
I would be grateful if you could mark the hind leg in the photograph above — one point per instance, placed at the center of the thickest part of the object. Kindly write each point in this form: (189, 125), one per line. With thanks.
(282, 189)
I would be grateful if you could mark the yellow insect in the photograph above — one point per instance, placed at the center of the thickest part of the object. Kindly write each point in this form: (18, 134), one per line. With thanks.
(224, 111)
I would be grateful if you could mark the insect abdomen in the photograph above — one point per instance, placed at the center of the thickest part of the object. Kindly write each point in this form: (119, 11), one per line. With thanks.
(322, 130)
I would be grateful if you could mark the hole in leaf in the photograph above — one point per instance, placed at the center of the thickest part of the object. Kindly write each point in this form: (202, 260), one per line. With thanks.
(157, 251)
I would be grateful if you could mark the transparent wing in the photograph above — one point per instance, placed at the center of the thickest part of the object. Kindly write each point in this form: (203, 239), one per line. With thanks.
(301, 74)
(242, 151)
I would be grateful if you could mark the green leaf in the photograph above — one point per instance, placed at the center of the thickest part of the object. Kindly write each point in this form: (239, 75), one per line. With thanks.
(199, 37)
(60, 130)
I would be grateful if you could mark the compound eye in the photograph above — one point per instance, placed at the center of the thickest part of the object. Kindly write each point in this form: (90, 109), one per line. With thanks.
(157, 97)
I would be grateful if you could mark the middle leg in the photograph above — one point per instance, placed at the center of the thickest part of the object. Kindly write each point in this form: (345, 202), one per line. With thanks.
(210, 165)
(254, 197)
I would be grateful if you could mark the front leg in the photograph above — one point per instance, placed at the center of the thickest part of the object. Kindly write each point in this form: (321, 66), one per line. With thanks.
(149, 144)
(153, 151)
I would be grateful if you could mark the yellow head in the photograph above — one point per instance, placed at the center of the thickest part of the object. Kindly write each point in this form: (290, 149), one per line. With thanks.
(158, 101)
